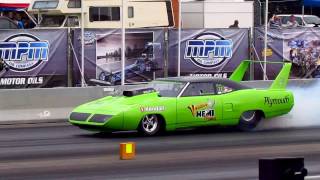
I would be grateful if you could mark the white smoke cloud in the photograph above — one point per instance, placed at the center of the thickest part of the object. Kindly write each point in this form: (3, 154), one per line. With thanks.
(305, 112)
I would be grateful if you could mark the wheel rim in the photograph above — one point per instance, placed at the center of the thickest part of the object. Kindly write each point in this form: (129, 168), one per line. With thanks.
(248, 115)
(150, 123)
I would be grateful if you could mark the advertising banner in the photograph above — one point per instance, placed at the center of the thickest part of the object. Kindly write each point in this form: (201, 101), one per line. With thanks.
(144, 55)
(301, 46)
(208, 52)
(274, 52)
(33, 58)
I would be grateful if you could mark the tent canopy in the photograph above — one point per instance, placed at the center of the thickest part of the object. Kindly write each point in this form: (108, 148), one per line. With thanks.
(14, 4)
(314, 3)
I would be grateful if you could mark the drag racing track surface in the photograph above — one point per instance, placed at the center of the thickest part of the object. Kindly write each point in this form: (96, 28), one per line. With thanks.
(66, 152)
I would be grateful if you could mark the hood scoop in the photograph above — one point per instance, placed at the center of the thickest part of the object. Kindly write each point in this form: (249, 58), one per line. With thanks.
(135, 92)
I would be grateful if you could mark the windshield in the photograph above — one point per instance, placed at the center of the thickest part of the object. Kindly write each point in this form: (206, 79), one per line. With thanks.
(167, 88)
(52, 20)
(312, 19)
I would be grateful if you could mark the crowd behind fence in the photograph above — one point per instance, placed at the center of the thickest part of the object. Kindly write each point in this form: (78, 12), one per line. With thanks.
(21, 19)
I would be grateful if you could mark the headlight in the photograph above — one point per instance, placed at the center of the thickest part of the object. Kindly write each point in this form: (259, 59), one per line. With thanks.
(79, 116)
(99, 118)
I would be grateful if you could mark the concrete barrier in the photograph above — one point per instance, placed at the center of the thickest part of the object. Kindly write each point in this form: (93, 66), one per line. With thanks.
(292, 83)
(55, 104)
(45, 105)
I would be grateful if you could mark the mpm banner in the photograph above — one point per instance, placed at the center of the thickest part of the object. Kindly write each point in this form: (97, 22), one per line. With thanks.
(33, 58)
(208, 52)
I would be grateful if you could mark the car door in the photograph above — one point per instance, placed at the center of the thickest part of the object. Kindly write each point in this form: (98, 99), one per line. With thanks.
(228, 102)
(198, 105)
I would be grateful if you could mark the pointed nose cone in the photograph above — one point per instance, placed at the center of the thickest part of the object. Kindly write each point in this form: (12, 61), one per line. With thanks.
(114, 105)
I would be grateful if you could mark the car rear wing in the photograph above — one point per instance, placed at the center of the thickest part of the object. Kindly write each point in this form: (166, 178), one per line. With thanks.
(280, 82)
(239, 72)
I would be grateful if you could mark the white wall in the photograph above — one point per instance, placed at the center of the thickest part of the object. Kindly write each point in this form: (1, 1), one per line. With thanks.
(192, 15)
(217, 14)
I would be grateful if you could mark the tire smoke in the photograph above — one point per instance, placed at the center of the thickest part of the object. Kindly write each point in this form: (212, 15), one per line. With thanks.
(305, 112)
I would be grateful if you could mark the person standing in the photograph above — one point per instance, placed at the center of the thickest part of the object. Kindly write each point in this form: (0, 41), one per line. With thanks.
(275, 22)
(19, 21)
(292, 22)
(235, 24)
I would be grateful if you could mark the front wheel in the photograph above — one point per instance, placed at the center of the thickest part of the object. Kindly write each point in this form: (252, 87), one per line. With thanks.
(150, 125)
(249, 120)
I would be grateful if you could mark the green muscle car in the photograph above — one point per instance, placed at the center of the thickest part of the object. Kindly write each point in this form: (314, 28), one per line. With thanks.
(168, 104)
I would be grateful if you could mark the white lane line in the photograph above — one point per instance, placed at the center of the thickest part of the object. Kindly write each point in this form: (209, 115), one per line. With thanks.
(312, 177)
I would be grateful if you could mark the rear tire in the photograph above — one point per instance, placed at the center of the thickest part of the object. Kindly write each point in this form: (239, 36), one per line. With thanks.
(150, 125)
(249, 120)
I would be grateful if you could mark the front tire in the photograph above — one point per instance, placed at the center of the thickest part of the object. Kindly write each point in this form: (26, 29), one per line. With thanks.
(249, 120)
(150, 125)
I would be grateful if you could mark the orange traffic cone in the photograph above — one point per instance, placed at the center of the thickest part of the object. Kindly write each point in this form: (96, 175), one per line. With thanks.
(127, 150)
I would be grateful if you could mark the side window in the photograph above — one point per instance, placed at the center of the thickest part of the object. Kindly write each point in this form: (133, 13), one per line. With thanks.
(13, 25)
(299, 20)
(6, 24)
(199, 89)
(284, 19)
(72, 21)
(52, 4)
(74, 4)
(223, 89)
(104, 14)
(130, 12)
(94, 14)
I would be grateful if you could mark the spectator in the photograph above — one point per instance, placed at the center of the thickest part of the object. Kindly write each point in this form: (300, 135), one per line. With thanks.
(11, 15)
(235, 24)
(3, 66)
(275, 22)
(19, 21)
(29, 24)
(292, 22)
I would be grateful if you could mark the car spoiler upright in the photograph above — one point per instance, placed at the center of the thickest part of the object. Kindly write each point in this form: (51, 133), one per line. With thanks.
(280, 82)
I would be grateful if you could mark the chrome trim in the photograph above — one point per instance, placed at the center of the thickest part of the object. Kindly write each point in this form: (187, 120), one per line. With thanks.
(183, 89)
